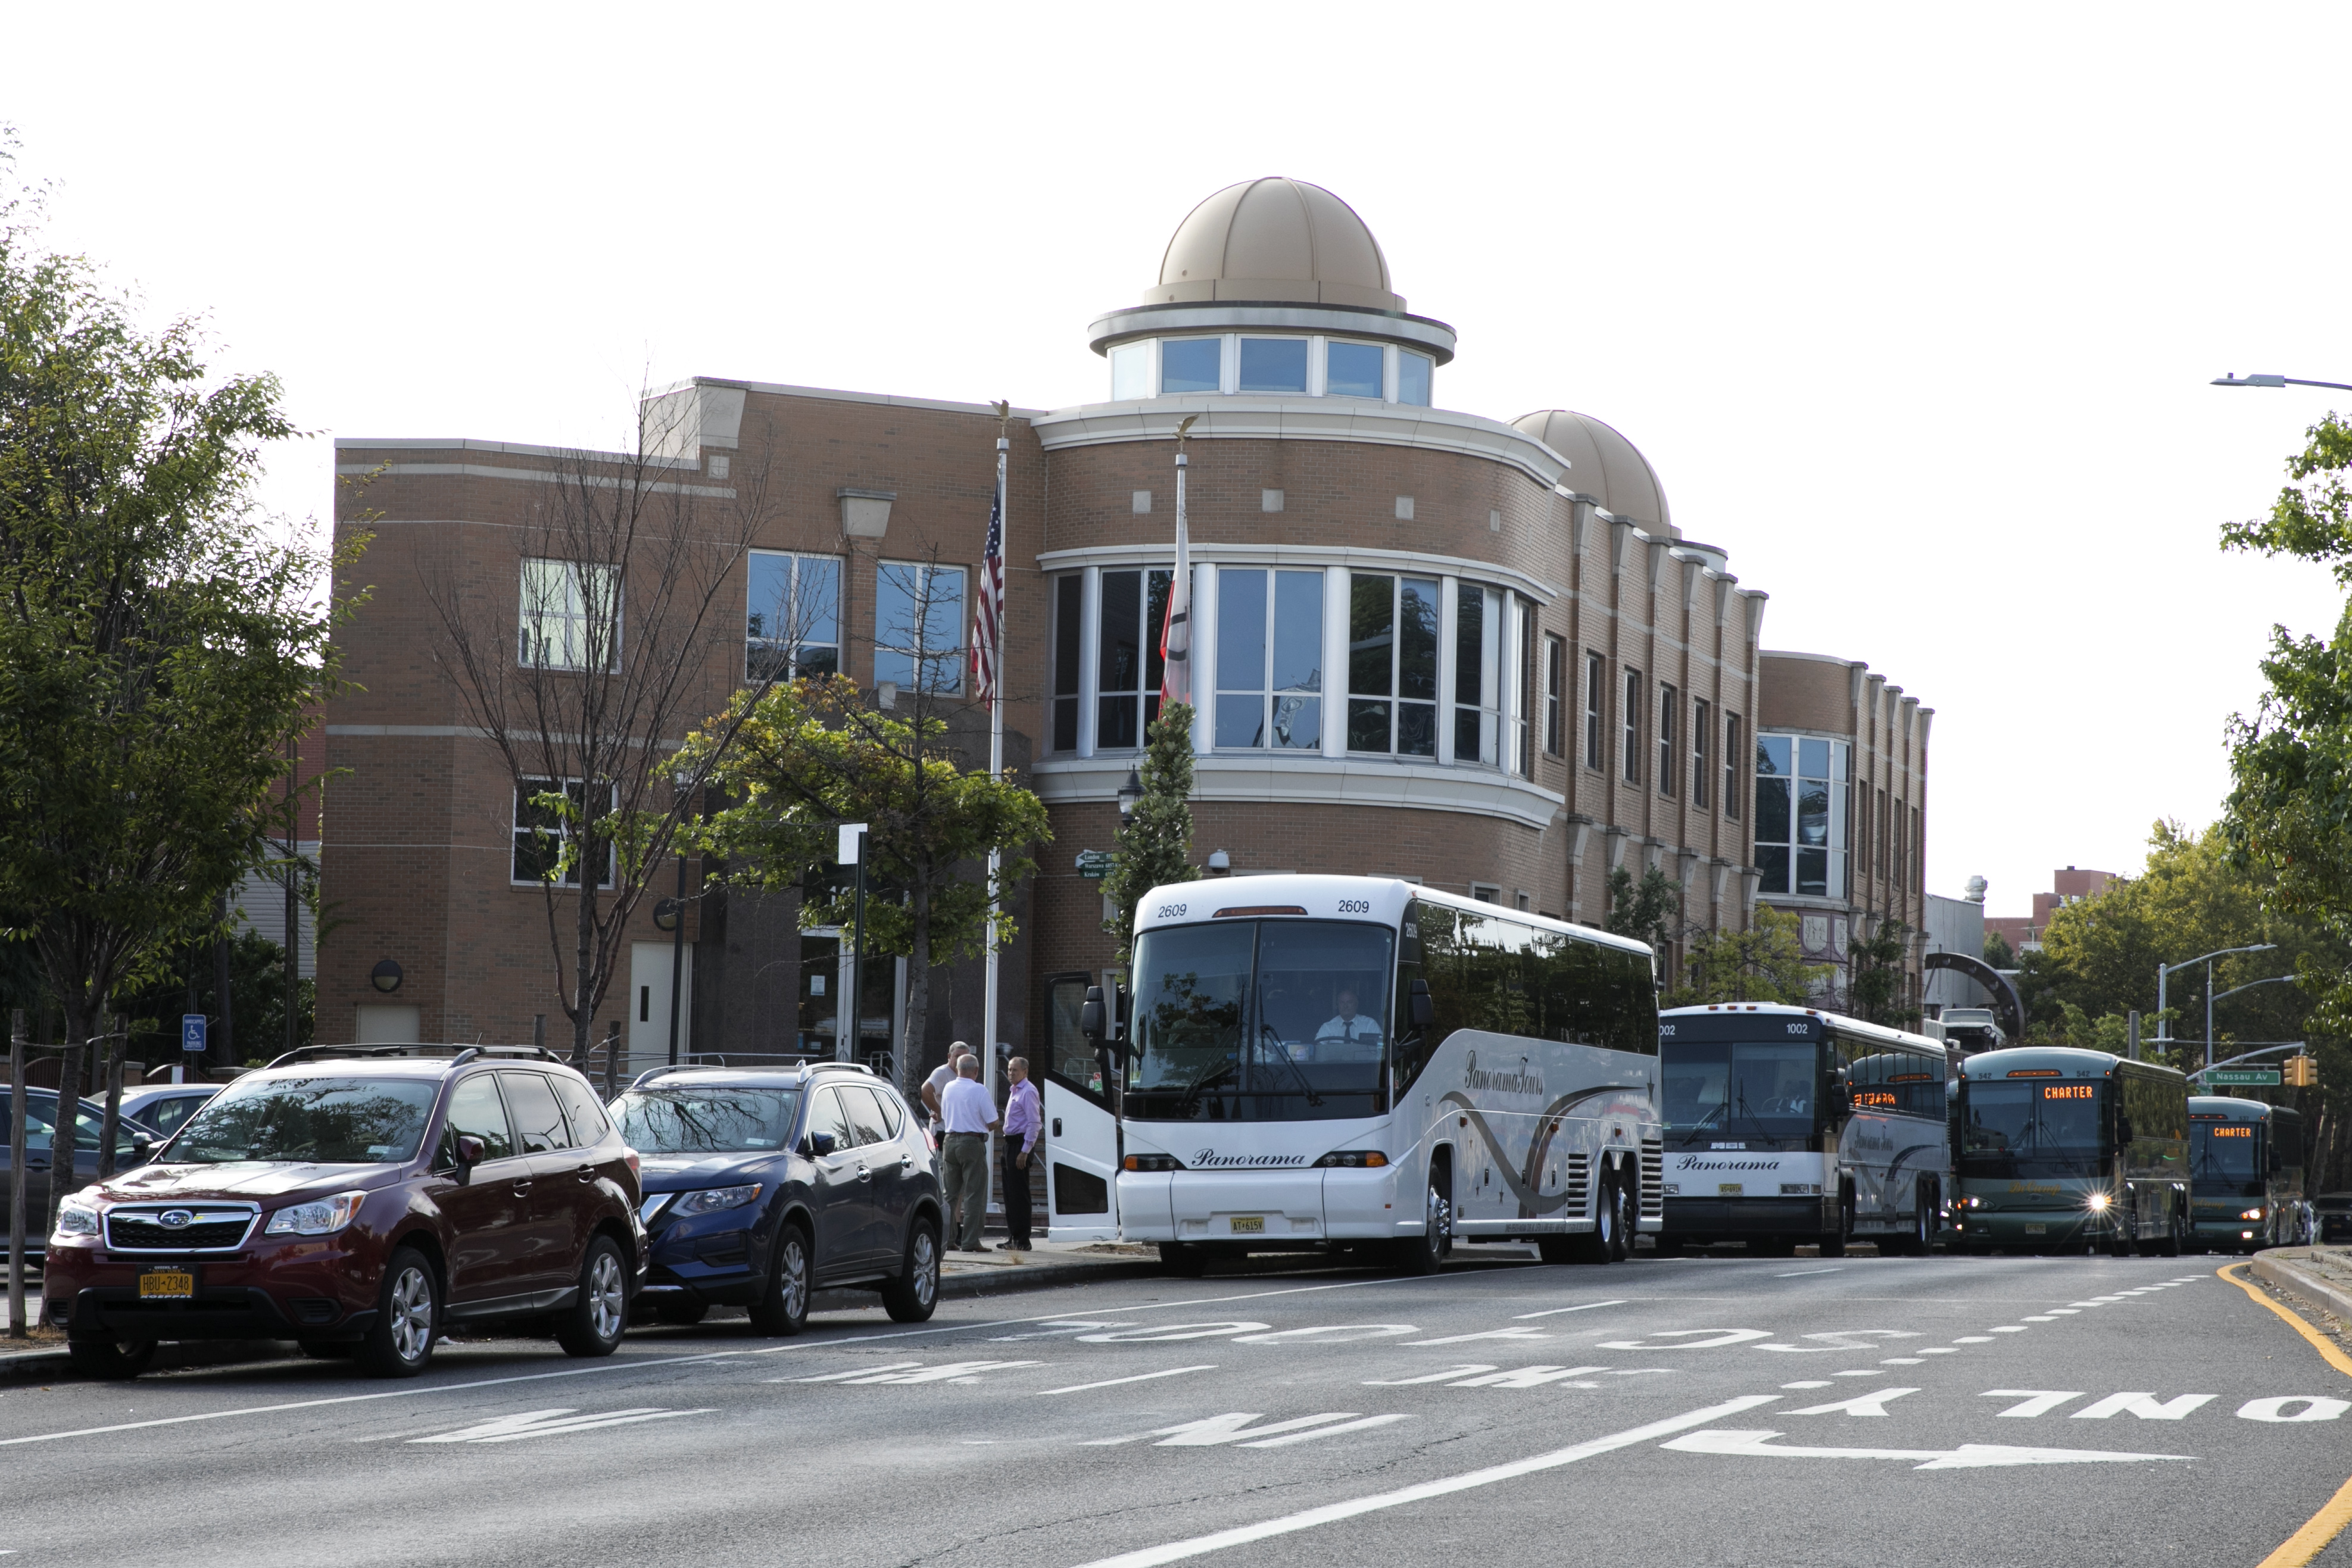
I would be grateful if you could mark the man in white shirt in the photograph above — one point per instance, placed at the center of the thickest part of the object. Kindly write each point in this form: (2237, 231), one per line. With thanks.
(1350, 1027)
(969, 1112)
(935, 1084)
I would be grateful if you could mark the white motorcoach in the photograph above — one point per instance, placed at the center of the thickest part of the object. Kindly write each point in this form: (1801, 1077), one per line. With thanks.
(1336, 1062)
(1788, 1125)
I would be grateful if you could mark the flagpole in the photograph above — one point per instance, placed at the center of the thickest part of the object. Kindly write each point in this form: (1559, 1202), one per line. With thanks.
(996, 750)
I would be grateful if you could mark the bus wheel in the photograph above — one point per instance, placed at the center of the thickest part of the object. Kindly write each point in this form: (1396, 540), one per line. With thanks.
(1605, 1242)
(1833, 1246)
(2171, 1246)
(2119, 1240)
(1621, 1244)
(1425, 1253)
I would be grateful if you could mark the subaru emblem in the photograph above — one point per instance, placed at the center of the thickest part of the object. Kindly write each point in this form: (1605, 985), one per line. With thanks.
(174, 1218)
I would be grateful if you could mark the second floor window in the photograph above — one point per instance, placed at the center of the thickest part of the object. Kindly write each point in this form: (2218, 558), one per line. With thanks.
(1731, 765)
(1702, 722)
(570, 615)
(1069, 633)
(1555, 681)
(1269, 659)
(1801, 815)
(1130, 669)
(1393, 664)
(1633, 726)
(543, 833)
(919, 627)
(792, 617)
(1669, 714)
(1596, 701)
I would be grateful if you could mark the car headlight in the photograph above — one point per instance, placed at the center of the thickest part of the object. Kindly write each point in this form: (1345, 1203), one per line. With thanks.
(1150, 1163)
(322, 1216)
(1354, 1159)
(2098, 1200)
(711, 1199)
(2251, 1214)
(77, 1215)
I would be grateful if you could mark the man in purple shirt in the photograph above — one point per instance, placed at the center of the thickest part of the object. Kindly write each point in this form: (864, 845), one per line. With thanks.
(1023, 1121)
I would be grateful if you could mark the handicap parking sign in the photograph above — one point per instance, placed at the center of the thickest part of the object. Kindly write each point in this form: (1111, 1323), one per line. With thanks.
(192, 1031)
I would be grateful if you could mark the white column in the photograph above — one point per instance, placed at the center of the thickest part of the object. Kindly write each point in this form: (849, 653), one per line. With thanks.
(1334, 660)
(1089, 655)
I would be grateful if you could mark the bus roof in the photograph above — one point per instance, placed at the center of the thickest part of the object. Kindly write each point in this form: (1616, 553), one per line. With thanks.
(1855, 1026)
(2069, 1062)
(1297, 894)
(2231, 1108)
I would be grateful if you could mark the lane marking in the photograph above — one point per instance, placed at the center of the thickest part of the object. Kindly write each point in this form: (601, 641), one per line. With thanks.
(1490, 1333)
(1871, 1404)
(1357, 1426)
(1233, 1427)
(1555, 1312)
(2327, 1348)
(1808, 1273)
(2143, 1405)
(1967, 1457)
(1144, 1377)
(529, 1424)
(852, 1371)
(2037, 1401)
(1528, 1377)
(1331, 1513)
(1448, 1375)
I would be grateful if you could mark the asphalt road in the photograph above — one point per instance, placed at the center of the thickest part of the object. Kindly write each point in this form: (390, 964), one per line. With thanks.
(1691, 1411)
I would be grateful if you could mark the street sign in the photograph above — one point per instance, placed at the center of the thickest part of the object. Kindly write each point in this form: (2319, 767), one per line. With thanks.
(192, 1031)
(1095, 865)
(2244, 1077)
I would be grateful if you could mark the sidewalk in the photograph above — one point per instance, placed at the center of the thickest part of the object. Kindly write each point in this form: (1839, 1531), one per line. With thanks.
(2319, 1275)
(965, 1274)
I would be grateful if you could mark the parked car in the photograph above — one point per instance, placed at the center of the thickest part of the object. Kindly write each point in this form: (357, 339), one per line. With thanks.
(166, 1107)
(2332, 1219)
(763, 1185)
(359, 1199)
(133, 1138)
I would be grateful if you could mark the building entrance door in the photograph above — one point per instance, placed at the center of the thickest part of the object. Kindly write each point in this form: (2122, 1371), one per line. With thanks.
(649, 965)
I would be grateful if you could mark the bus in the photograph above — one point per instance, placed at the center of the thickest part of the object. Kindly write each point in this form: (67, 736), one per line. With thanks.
(1363, 1065)
(2245, 1174)
(1788, 1125)
(2061, 1149)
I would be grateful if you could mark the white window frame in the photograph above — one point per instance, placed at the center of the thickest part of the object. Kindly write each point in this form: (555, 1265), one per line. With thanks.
(562, 833)
(1208, 628)
(554, 600)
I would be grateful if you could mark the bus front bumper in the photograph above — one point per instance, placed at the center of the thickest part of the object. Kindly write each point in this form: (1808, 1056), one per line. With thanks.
(2029, 1227)
(1274, 1209)
(1699, 1220)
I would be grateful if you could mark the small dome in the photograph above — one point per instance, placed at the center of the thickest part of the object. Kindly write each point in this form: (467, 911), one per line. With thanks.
(1603, 464)
(1275, 240)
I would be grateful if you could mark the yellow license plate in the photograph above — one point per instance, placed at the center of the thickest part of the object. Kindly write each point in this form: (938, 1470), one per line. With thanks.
(1248, 1225)
(2037, 1230)
(171, 1285)
(1729, 1190)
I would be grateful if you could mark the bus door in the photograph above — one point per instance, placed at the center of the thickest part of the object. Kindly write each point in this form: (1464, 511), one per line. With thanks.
(1081, 1141)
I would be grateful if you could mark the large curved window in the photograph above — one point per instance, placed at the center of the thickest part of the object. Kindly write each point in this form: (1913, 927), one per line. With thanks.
(1800, 803)
(1292, 366)
(1355, 369)
(1393, 664)
(1274, 365)
(1269, 659)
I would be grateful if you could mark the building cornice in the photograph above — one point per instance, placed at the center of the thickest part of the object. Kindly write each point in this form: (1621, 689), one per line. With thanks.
(1160, 553)
(1178, 318)
(1315, 781)
(1253, 417)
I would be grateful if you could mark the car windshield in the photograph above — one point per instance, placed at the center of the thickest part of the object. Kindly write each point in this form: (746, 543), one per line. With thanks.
(706, 1119)
(1261, 1021)
(331, 1121)
(2017, 1131)
(1723, 1091)
(2225, 1158)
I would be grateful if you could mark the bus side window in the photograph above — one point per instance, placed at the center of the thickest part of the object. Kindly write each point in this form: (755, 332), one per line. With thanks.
(1409, 1043)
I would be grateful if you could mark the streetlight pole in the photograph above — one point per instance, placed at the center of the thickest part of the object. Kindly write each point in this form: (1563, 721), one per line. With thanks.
(2164, 976)
(2234, 379)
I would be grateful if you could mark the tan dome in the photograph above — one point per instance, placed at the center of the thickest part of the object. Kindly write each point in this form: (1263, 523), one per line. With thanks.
(1603, 464)
(1275, 239)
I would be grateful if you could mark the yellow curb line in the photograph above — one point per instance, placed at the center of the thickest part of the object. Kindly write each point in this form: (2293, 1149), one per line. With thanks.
(2326, 1524)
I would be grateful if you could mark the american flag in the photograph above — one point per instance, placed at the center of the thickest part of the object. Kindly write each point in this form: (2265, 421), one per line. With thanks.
(988, 620)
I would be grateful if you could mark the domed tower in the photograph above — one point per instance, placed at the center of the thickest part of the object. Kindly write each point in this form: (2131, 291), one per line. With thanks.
(1289, 260)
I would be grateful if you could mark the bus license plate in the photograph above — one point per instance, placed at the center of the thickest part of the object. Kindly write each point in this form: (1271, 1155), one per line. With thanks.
(1248, 1225)
(1729, 1189)
(2037, 1230)
(167, 1284)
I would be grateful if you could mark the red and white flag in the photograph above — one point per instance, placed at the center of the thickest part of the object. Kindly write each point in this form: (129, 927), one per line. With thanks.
(1176, 633)
(987, 620)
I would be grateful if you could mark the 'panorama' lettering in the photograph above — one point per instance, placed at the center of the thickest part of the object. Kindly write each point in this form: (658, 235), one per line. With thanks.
(1209, 1160)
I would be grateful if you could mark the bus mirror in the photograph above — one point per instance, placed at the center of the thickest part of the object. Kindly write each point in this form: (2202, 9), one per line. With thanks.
(1090, 1016)
(1424, 1010)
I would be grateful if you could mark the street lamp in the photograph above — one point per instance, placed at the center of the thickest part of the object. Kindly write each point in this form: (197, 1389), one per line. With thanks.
(2234, 379)
(2164, 975)
(1129, 795)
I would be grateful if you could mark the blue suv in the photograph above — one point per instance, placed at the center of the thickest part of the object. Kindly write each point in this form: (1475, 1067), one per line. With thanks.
(763, 1185)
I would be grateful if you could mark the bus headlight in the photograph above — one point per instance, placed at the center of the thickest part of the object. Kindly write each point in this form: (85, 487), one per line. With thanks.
(1150, 1163)
(1353, 1159)
(1967, 1203)
(2099, 1200)
(2251, 1214)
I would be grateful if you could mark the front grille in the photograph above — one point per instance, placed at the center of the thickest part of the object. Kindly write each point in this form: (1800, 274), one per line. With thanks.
(210, 1227)
(1653, 1179)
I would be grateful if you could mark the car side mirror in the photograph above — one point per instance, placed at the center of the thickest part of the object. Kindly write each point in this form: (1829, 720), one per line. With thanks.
(1424, 1009)
(817, 1144)
(141, 1143)
(471, 1151)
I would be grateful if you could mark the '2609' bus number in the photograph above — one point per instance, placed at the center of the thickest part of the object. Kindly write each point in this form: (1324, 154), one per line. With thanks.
(1169, 911)
(1355, 906)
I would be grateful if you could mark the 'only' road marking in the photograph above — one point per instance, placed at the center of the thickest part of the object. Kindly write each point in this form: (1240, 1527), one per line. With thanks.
(1967, 1457)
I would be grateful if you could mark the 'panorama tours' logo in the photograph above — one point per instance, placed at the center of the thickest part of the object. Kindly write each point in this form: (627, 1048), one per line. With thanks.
(1526, 1080)
(1209, 1160)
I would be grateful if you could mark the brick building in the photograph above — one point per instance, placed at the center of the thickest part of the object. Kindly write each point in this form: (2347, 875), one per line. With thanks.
(2024, 932)
(1432, 644)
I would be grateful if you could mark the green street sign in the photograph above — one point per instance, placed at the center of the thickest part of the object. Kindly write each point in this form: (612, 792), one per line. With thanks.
(2244, 1077)
(1095, 865)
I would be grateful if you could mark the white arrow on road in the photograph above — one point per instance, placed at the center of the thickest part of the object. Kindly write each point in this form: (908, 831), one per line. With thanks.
(1967, 1457)
(551, 1423)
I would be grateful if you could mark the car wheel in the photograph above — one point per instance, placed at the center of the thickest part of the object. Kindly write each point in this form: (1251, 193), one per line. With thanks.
(785, 1306)
(408, 1318)
(914, 1295)
(1182, 1262)
(600, 1313)
(103, 1355)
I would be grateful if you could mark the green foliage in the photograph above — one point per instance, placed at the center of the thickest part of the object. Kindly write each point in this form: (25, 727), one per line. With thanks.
(1874, 990)
(1155, 843)
(1765, 963)
(157, 647)
(1997, 951)
(1648, 911)
(257, 969)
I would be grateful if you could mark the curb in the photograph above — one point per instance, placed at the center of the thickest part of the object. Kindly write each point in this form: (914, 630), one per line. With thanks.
(171, 1355)
(1003, 1281)
(2278, 1267)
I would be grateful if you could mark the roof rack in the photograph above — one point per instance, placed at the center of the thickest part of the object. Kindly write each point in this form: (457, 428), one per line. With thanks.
(799, 1066)
(453, 1053)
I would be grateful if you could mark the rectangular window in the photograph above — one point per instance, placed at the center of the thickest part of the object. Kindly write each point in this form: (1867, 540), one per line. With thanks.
(919, 626)
(1477, 635)
(1274, 365)
(1596, 702)
(1702, 724)
(1190, 364)
(1269, 659)
(570, 615)
(1555, 683)
(1633, 726)
(1412, 379)
(1523, 705)
(1068, 594)
(1669, 742)
(792, 616)
(544, 832)
(1393, 664)
(1801, 815)
(1732, 764)
(1130, 373)
(1129, 669)
(1353, 370)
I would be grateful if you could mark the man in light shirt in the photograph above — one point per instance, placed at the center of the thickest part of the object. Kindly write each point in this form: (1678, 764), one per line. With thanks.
(935, 1084)
(969, 1113)
(1351, 1027)
(1023, 1120)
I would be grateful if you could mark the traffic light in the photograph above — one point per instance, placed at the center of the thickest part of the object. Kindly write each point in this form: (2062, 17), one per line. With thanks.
(2302, 1073)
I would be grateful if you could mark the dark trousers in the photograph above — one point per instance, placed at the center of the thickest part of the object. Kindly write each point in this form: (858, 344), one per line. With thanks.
(1016, 1193)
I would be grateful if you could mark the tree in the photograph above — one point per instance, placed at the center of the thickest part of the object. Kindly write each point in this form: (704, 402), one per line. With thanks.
(581, 657)
(1648, 911)
(158, 643)
(1765, 963)
(1155, 843)
(1874, 987)
(1997, 951)
(801, 758)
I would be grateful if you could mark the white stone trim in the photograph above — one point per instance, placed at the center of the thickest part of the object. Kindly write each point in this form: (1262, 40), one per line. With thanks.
(1258, 417)
(1304, 779)
(1300, 556)
(533, 476)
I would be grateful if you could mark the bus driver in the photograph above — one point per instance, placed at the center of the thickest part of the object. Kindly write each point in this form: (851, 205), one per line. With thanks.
(1351, 1027)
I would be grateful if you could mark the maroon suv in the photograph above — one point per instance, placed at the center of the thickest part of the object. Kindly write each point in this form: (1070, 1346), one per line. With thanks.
(361, 1199)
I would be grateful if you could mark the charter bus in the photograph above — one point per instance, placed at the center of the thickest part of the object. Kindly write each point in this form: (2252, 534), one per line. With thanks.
(2245, 1174)
(1364, 1064)
(1788, 1125)
(2064, 1149)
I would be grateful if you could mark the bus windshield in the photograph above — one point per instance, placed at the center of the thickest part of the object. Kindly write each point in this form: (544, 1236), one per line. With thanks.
(1739, 1091)
(2039, 1128)
(2225, 1158)
(1261, 1021)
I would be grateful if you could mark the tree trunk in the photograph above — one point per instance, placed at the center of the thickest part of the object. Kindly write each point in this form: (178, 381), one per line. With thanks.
(583, 988)
(918, 995)
(293, 947)
(63, 1179)
(225, 1036)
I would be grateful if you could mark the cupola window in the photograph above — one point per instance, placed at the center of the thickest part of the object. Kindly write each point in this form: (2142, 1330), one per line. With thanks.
(1354, 369)
(1412, 378)
(1274, 365)
(1189, 365)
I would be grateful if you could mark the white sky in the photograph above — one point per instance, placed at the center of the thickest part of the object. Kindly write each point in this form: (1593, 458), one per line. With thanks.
(1913, 311)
